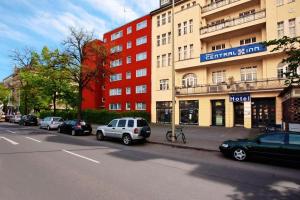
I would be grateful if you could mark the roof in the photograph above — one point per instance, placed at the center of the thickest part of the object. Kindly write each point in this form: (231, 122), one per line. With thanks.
(167, 6)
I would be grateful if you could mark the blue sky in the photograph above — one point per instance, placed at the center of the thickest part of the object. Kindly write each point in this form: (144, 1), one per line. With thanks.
(38, 23)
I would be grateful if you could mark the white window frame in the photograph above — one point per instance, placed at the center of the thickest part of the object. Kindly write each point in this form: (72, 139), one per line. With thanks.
(249, 73)
(116, 63)
(115, 77)
(115, 106)
(280, 29)
(129, 45)
(140, 106)
(141, 89)
(128, 75)
(128, 106)
(164, 84)
(141, 40)
(219, 76)
(115, 92)
(141, 56)
(128, 60)
(292, 27)
(129, 30)
(128, 90)
(116, 35)
(141, 25)
(164, 39)
(141, 72)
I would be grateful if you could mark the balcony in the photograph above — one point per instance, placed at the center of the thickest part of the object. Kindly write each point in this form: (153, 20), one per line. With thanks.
(236, 87)
(233, 22)
(216, 5)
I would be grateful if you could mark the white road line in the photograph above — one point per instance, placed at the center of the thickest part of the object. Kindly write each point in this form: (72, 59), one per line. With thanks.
(80, 156)
(33, 139)
(8, 140)
(10, 131)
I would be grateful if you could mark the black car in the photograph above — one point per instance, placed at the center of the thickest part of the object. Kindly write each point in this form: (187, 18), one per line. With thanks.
(75, 127)
(277, 145)
(28, 120)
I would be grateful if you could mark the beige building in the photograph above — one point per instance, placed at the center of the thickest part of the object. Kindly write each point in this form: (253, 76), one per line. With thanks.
(224, 76)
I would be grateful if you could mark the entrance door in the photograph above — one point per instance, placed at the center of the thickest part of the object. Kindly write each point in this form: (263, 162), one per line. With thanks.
(238, 113)
(218, 112)
(263, 112)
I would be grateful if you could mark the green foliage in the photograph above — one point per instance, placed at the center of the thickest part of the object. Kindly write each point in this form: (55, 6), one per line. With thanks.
(4, 92)
(291, 48)
(96, 116)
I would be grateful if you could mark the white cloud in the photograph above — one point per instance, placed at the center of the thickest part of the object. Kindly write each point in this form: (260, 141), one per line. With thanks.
(7, 32)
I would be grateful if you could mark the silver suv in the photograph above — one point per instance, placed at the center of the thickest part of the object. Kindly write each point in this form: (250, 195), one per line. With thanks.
(127, 129)
(51, 123)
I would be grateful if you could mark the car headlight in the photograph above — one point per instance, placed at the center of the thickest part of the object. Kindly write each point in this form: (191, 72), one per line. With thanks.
(225, 145)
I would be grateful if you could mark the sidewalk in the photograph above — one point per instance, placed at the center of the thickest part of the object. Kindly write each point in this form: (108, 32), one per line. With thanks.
(200, 138)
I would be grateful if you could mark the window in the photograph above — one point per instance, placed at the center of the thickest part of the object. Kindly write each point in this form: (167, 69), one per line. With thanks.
(128, 107)
(158, 61)
(164, 60)
(218, 77)
(164, 39)
(169, 17)
(116, 49)
(248, 73)
(130, 123)
(116, 35)
(294, 139)
(128, 90)
(115, 92)
(191, 26)
(218, 47)
(129, 30)
(248, 41)
(114, 106)
(189, 80)
(280, 29)
(273, 139)
(128, 59)
(158, 21)
(179, 53)
(169, 59)
(179, 29)
(279, 2)
(140, 106)
(115, 77)
(113, 123)
(163, 19)
(122, 123)
(158, 40)
(184, 28)
(141, 40)
(185, 52)
(169, 37)
(141, 56)
(164, 84)
(142, 122)
(116, 63)
(128, 75)
(191, 50)
(188, 5)
(281, 70)
(141, 25)
(129, 45)
(140, 89)
(292, 27)
(141, 72)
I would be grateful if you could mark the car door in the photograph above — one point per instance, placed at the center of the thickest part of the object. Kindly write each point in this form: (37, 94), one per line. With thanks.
(110, 129)
(270, 146)
(292, 148)
(63, 126)
(120, 129)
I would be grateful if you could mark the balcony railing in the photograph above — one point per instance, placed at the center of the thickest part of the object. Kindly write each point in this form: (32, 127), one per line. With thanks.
(242, 86)
(233, 22)
(216, 5)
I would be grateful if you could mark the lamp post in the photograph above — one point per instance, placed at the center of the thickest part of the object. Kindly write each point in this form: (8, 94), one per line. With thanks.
(173, 72)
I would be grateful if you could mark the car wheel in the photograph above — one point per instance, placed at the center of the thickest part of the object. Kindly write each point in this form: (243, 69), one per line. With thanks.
(48, 128)
(127, 140)
(40, 127)
(73, 133)
(99, 135)
(239, 154)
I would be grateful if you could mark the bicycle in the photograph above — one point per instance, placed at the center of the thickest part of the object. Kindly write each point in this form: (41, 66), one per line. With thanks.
(178, 133)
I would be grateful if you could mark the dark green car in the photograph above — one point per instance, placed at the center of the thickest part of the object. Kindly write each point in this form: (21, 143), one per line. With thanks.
(278, 145)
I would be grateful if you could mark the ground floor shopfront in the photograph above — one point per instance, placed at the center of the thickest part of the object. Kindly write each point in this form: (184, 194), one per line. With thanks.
(248, 110)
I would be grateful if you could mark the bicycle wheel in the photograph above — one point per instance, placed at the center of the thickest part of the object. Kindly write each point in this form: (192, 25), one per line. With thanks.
(169, 136)
(183, 138)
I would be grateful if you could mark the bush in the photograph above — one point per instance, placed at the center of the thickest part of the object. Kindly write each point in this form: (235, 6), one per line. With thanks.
(95, 116)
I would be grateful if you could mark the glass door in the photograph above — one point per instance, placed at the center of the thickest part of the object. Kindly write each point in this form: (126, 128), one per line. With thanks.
(218, 112)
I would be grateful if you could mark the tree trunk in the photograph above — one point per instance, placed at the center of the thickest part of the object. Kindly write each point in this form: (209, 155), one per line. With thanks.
(79, 113)
(54, 103)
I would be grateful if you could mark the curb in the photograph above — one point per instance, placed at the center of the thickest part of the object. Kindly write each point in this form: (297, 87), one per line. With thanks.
(183, 147)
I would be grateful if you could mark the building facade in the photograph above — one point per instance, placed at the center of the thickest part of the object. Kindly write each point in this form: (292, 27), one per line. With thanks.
(223, 75)
(128, 87)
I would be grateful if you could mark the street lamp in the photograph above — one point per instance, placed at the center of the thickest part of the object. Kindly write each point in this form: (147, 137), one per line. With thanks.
(173, 72)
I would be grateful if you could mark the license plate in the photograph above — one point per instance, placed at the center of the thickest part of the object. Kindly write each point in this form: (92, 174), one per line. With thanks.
(86, 131)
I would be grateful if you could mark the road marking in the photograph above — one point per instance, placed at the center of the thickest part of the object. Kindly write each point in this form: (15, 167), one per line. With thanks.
(33, 139)
(80, 156)
(8, 140)
(10, 131)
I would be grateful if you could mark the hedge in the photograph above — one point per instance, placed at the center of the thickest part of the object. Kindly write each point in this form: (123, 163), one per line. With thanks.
(96, 116)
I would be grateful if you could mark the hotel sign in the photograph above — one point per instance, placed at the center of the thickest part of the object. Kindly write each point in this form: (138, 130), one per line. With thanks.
(232, 52)
(245, 97)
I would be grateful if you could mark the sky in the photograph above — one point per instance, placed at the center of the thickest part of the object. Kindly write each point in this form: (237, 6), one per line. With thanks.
(38, 23)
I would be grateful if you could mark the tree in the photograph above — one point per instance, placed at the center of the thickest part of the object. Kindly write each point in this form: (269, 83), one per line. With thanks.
(4, 92)
(291, 48)
(80, 46)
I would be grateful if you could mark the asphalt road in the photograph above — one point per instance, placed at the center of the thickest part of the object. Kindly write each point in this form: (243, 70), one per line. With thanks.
(40, 165)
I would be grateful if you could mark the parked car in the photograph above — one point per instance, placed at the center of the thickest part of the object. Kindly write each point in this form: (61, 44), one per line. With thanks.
(51, 123)
(28, 120)
(75, 127)
(277, 145)
(15, 119)
(127, 129)
(7, 118)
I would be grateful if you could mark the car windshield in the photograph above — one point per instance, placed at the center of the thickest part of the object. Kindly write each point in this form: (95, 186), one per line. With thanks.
(141, 123)
(56, 119)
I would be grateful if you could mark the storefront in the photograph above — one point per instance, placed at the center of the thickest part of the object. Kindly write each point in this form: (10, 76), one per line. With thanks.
(164, 111)
(263, 112)
(218, 112)
(189, 112)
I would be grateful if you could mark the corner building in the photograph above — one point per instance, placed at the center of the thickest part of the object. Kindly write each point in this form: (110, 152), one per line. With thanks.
(224, 76)
(128, 87)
